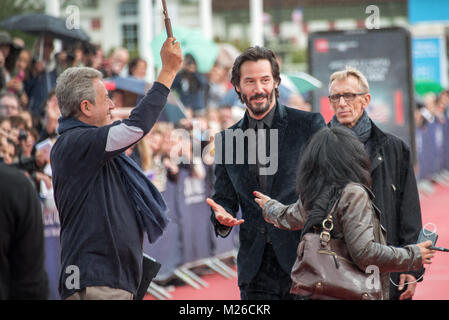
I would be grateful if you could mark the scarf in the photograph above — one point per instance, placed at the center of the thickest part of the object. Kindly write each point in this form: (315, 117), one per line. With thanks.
(149, 205)
(362, 128)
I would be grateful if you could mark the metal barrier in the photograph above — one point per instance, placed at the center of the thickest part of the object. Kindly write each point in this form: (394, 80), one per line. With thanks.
(432, 147)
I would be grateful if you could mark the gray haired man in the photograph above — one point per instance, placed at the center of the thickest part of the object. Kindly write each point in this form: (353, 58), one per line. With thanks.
(105, 202)
(394, 183)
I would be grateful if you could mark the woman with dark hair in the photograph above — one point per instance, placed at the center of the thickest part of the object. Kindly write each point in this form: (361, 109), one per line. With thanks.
(335, 167)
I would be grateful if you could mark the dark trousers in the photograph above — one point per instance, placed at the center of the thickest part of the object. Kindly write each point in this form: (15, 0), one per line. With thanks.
(270, 282)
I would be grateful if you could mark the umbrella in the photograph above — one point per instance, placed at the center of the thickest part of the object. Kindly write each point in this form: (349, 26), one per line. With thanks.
(131, 84)
(171, 113)
(302, 82)
(227, 55)
(43, 24)
(423, 86)
(174, 110)
(132, 88)
(135, 88)
(192, 42)
(231, 99)
(231, 50)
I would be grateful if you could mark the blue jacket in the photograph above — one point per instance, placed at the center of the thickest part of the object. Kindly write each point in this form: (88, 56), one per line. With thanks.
(101, 235)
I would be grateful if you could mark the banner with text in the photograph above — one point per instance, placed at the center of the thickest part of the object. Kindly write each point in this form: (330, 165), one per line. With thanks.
(384, 57)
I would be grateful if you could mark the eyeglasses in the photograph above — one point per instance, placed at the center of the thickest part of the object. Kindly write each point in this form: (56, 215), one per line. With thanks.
(9, 107)
(348, 96)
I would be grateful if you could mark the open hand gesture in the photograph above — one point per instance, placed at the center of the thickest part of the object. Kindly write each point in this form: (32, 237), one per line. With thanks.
(222, 216)
(260, 199)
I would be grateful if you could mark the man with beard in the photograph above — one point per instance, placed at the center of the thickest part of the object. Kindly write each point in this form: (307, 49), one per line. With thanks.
(266, 254)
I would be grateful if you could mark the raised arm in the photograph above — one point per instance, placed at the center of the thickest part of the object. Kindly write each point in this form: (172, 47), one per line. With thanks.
(146, 113)
(291, 217)
(171, 56)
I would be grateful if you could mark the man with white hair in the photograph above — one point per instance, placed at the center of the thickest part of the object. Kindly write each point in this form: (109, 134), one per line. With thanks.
(394, 182)
(105, 202)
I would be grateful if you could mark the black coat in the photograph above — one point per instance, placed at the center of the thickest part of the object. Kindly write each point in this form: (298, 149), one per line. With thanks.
(234, 186)
(22, 260)
(396, 193)
(100, 230)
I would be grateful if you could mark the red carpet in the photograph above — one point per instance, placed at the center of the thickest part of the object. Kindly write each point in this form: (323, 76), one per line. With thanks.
(435, 209)
(219, 288)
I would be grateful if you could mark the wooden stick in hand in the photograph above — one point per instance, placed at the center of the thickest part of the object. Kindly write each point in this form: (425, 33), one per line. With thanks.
(167, 20)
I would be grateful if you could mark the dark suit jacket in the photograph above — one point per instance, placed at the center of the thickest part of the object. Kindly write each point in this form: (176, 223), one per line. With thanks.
(22, 243)
(234, 186)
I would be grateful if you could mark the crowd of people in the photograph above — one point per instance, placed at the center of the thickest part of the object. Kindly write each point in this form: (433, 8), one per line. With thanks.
(433, 107)
(432, 140)
(29, 109)
(30, 116)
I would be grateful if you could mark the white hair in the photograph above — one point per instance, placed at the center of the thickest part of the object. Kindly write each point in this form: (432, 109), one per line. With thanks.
(350, 71)
(73, 86)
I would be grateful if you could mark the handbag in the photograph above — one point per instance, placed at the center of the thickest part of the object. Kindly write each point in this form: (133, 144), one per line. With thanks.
(324, 269)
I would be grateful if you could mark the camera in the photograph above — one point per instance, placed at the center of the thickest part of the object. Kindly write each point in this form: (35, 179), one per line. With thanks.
(22, 135)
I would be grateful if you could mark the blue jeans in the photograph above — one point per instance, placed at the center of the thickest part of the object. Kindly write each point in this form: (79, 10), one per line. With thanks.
(270, 282)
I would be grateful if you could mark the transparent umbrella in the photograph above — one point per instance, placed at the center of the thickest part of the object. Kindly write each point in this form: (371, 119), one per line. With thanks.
(423, 87)
(303, 82)
(192, 42)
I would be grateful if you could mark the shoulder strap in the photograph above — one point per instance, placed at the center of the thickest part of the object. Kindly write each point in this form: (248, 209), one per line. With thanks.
(328, 225)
